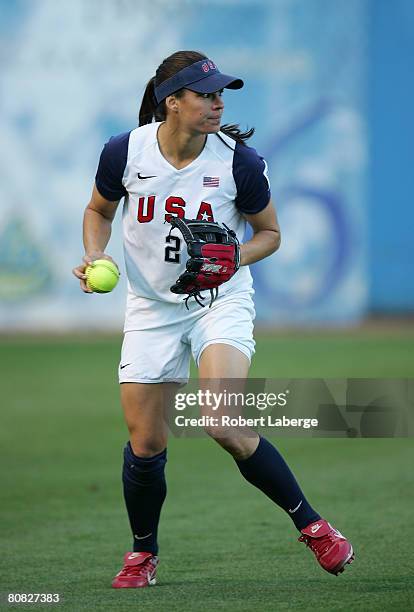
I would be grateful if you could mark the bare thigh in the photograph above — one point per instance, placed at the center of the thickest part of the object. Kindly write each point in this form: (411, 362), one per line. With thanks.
(145, 407)
(219, 362)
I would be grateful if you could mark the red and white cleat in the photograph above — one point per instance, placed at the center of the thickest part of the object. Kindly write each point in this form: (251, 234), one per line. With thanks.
(331, 549)
(139, 571)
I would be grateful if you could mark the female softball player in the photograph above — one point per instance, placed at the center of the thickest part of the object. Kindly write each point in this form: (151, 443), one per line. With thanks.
(181, 162)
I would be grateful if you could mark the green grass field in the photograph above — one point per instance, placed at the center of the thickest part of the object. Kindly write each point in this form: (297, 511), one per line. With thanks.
(223, 545)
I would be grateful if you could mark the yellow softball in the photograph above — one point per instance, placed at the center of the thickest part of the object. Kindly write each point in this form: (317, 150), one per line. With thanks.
(102, 276)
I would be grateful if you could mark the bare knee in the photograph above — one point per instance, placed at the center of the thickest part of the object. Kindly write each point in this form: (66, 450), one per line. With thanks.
(218, 433)
(143, 406)
(238, 445)
(146, 445)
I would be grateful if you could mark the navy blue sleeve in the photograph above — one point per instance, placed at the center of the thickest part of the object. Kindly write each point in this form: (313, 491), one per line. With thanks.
(250, 176)
(111, 168)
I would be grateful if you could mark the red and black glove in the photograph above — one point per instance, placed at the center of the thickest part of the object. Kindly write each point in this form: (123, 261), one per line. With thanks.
(214, 253)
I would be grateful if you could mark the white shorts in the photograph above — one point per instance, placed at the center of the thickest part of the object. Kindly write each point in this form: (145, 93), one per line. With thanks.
(160, 336)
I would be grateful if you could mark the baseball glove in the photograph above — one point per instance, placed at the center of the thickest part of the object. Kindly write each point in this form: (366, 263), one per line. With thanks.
(214, 257)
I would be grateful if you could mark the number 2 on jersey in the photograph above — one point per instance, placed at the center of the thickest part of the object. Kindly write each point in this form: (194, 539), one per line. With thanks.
(172, 253)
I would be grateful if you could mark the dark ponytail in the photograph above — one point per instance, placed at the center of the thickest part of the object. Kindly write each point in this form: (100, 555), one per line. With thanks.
(151, 111)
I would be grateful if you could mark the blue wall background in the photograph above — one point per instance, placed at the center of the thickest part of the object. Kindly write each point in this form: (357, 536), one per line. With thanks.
(329, 88)
(391, 171)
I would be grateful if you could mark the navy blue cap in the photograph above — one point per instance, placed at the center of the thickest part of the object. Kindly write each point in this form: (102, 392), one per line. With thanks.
(202, 77)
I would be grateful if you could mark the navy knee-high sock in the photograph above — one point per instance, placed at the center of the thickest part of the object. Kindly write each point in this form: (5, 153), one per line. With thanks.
(267, 470)
(144, 492)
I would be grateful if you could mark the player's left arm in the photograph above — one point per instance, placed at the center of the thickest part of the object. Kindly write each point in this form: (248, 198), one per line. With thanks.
(266, 236)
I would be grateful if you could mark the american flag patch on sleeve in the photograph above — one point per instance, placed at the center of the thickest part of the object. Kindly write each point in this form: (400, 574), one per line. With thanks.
(211, 181)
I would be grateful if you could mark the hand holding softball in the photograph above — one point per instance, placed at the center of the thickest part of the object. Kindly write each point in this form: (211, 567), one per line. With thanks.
(97, 274)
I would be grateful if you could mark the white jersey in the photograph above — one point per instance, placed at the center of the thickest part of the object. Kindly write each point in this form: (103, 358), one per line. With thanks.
(226, 180)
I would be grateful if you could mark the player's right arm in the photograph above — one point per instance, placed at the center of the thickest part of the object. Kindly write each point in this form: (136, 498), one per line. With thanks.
(97, 224)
